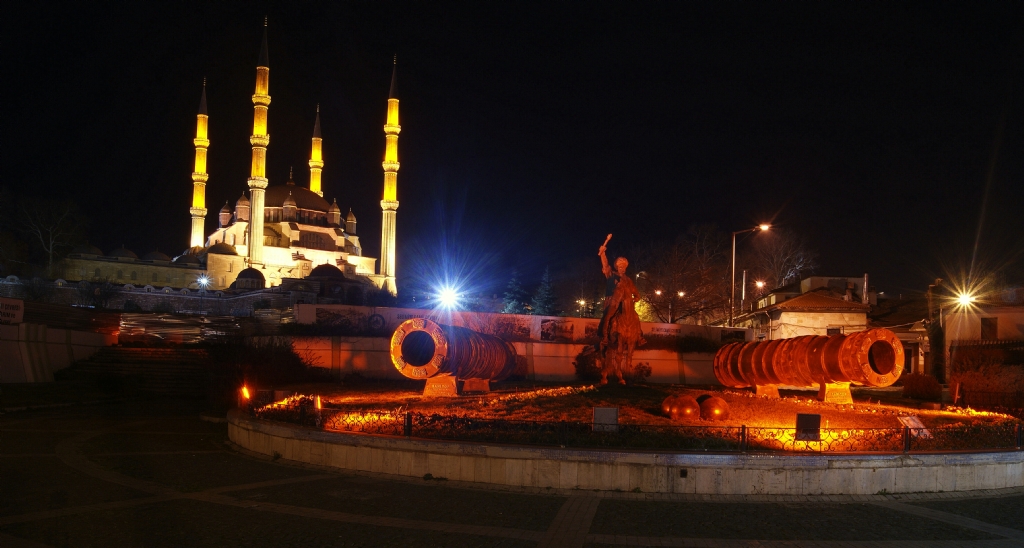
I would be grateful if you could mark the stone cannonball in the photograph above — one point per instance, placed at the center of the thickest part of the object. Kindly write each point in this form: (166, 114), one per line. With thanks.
(714, 409)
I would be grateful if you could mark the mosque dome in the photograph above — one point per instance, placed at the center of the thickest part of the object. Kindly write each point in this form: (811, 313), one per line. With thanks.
(86, 249)
(226, 209)
(242, 201)
(222, 248)
(155, 256)
(334, 207)
(304, 198)
(250, 278)
(326, 271)
(187, 259)
(123, 253)
(289, 201)
(351, 217)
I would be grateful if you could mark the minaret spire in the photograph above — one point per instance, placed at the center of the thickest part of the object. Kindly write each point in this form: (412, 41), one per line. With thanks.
(316, 159)
(199, 175)
(389, 205)
(259, 139)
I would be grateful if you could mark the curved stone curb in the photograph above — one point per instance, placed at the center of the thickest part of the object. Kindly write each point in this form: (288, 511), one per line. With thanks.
(647, 472)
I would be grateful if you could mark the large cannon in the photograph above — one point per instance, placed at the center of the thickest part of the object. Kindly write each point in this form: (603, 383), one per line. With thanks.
(443, 354)
(872, 358)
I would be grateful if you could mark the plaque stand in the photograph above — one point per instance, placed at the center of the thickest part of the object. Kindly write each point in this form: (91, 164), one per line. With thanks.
(441, 386)
(835, 392)
(476, 385)
(769, 390)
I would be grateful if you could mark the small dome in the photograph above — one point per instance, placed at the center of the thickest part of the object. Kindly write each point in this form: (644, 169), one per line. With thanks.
(155, 256)
(351, 217)
(243, 200)
(187, 259)
(250, 278)
(326, 271)
(122, 252)
(289, 201)
(222, 248)
(86, 249)
(195, 251)
(225, 209)
(334, 207)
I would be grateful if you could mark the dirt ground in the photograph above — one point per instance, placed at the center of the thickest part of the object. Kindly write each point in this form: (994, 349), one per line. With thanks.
(638, 404)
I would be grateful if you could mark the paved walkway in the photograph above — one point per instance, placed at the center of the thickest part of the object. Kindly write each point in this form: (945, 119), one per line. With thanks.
(153, 474)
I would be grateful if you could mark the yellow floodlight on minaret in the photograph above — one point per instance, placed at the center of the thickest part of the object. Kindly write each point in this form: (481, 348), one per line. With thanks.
(389, 204)
(259, 139)
(199, 175)
(316, 158)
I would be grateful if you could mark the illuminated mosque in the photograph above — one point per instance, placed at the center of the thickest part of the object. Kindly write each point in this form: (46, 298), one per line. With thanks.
(276, 234)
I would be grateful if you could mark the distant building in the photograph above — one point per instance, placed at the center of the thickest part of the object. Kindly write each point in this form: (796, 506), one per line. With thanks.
(281, 232)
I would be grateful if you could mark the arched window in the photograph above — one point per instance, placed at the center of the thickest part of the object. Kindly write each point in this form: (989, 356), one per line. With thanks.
(120, 274)
(97, 275)
(134, 275)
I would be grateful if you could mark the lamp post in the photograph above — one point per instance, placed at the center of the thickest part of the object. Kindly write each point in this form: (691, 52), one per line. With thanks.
(203, 281)
(732, 287)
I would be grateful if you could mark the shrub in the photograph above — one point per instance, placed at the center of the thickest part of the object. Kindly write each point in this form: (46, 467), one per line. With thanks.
(639, 373)
(587, 369)
(921, 387)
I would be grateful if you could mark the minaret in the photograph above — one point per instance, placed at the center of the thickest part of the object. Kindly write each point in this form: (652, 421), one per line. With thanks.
(199, 175)
(259, 139)
(389, 204)
(316, 159)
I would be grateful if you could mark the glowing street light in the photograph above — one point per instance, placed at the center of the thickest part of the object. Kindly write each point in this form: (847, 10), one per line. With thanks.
(732, 288)
(759, 284)
(965, 299)
(449, 297)
(203, 282)
(681, 293)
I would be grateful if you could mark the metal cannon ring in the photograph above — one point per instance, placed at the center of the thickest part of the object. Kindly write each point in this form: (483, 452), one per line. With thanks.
(419, 368)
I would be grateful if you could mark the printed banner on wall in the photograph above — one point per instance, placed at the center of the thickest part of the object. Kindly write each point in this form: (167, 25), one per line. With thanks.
(11, 311)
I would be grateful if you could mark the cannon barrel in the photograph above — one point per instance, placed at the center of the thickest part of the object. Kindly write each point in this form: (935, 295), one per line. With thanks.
(873, 358)
(421, 349)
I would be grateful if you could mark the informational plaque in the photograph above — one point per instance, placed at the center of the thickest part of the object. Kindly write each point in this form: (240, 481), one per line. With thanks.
(441, 386)
(476, 385)
(11, 311)
(606, 419)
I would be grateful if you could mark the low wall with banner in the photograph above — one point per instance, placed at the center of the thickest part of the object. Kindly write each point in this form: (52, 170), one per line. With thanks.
(370, 357)
(510, 327)
(32, 352)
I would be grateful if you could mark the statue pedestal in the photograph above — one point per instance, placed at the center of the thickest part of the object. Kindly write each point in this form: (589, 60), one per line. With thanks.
(476, 385)
(441, 386)
(835, 392)
(768, 390)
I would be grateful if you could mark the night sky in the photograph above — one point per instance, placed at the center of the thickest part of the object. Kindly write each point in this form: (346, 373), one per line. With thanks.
(890, 135)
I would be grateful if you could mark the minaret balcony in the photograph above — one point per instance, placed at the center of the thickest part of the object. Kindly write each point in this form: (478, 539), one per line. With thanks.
(390, 166)
(389, 205)
(197, 211)
(313, 164)
(201, 143)
(258, 182)
(200, 178)
(259, 140)
(392, 129)
(261, 100)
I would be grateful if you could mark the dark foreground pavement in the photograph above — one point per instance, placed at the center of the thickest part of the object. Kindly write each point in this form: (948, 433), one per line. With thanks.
(152, 473)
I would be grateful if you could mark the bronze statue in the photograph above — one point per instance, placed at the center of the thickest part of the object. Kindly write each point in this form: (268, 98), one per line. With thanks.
(619, 331)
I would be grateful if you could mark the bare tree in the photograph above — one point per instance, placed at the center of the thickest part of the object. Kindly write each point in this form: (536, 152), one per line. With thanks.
(55, 227)
(686, 279)
(779, 257)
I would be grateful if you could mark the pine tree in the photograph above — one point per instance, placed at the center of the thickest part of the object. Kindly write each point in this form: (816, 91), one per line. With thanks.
(544, 302)
(515, 297)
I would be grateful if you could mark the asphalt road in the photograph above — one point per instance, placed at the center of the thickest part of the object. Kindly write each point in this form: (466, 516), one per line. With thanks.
(152, 473)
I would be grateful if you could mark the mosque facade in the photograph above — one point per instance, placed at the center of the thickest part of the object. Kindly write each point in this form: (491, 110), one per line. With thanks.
(275, 235)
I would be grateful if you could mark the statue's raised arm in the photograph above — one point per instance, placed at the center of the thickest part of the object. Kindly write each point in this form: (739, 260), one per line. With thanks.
(605, 268)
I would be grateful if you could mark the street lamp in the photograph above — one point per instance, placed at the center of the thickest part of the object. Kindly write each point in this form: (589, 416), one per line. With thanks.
(583, 304)
(203, 282)
(732, 288)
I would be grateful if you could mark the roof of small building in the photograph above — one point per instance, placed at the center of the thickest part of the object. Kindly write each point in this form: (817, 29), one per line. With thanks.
(817, 301)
